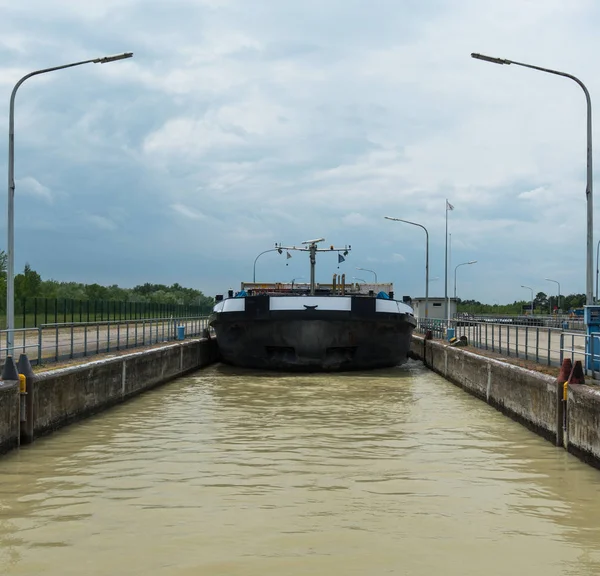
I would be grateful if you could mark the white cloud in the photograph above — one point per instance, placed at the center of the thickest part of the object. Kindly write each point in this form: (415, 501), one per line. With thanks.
(535, 194)
(101, 222)
(187, 212)
(29, 185)
(356, 219)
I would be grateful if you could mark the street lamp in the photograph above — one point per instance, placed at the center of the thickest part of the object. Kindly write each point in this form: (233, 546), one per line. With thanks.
(556, 282)
(426, 258)
(270, 250)
(529, 288)
(10, 261)
(372, 272)
(456, 268)
(359, 279)
(589, 282)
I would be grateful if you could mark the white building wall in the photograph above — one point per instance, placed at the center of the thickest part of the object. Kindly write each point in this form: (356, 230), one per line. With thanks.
(436, 308)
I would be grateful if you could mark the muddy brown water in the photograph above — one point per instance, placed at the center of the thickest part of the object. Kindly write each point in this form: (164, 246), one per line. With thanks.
(232, 472)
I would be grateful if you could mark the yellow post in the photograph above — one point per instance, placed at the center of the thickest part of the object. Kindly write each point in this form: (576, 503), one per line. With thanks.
(565, 391)
(22, 383)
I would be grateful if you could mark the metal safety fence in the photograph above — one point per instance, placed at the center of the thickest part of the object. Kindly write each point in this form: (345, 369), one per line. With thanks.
(542, 345)
(32, 312)
(58, 342)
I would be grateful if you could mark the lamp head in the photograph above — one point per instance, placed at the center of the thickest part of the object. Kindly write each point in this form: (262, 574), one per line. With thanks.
(106, 59)
(489, 58)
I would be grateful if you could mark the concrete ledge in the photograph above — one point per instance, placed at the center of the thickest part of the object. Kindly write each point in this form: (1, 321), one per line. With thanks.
(65, 395)
(526, 396)
(9, 416)
(583, 423)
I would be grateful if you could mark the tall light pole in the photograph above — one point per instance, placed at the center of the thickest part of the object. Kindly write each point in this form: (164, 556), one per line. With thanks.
(367, 270)
(556, 282)
(529, 288)
(359, 279)
(597, 252)
(426, 258)
(589, 281)
(456, 268)
(10, 262)
(254, 268)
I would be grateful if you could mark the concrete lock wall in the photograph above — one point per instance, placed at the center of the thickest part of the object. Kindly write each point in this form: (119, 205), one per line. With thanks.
(530, 397)
(583, 423)
(9, 416)
(68, 394)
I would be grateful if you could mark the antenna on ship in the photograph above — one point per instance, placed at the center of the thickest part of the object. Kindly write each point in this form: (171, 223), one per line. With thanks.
(312, 246)
(312, 249)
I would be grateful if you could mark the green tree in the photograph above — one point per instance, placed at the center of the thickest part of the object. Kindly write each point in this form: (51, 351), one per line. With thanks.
(96, 292)
(28, 284)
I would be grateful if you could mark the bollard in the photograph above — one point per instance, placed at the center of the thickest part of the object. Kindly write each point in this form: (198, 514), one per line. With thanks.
(565, 370)
(9, 371)
(578, 376)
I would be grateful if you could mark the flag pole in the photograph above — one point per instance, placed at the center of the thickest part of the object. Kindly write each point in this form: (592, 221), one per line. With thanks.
(446, 271)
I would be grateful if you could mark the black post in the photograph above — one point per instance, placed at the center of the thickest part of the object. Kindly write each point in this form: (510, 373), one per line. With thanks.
(45, 310)
(35, 312)
(56, 310)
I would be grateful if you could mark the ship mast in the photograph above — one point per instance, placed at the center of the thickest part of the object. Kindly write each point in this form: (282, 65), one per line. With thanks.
(312, 249)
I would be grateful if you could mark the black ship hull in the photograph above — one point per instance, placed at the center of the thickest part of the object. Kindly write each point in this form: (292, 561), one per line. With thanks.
(314, 338)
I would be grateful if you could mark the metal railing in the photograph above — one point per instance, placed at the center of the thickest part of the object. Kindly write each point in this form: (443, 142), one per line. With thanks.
(64, 341)
(542, 345)
(32, 312)
(563, 321)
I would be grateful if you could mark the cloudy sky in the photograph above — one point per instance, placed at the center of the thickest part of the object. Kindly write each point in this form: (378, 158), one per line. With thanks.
(239, 123)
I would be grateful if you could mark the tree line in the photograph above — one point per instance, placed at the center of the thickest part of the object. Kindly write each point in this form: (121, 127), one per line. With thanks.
(542, 304)
(29, 284)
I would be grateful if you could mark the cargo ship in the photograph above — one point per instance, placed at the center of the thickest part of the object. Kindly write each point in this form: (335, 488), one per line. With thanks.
(313, 327)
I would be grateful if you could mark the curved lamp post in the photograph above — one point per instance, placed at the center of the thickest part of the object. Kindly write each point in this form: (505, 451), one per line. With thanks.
(529, 288)
(556, 282)
(426, 258)
(589, 281)
(270, 250)
(359, 279)
(10, 261)
(372, 272)
(456, 268)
